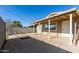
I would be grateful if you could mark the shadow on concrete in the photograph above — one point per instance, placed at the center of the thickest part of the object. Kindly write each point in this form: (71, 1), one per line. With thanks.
(31, 45)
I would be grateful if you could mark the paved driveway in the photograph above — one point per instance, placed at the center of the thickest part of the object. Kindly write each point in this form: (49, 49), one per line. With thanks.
(30, 45)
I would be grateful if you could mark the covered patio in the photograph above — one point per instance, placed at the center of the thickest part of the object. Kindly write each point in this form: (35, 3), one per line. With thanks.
(67, 26)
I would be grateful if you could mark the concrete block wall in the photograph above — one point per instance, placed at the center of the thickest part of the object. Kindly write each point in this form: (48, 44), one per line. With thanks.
(2, 32)
(19, 30)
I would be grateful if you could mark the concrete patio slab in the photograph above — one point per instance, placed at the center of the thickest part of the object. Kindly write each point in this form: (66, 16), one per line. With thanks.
(57, 42)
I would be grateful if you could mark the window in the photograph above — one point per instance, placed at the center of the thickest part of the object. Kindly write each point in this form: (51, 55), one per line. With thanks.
(52, 26)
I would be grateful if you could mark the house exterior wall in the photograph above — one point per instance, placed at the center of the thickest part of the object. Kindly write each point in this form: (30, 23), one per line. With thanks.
(53, 32)
(2, 32)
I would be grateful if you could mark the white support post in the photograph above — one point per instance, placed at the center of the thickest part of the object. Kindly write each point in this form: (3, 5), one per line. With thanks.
(75, 32)
(39, 27)
(33, 29)
(49, 29)
(71, 29)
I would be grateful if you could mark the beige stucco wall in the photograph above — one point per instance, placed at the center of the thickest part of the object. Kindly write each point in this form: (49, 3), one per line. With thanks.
(59, 28)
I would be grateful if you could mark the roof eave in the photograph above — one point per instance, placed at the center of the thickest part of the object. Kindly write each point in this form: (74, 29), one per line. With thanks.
(64, 12)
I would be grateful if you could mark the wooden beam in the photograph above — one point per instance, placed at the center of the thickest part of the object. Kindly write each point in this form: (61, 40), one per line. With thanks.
(67, 15)
(63, 17)
(76, 15)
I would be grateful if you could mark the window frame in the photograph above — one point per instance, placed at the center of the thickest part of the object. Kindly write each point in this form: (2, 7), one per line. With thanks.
(51, 29)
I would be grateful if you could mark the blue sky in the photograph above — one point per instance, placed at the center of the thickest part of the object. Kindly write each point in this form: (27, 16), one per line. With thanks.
(27, 14)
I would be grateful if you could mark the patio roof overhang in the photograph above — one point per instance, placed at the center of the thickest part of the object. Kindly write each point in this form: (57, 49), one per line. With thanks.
(60, 16)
